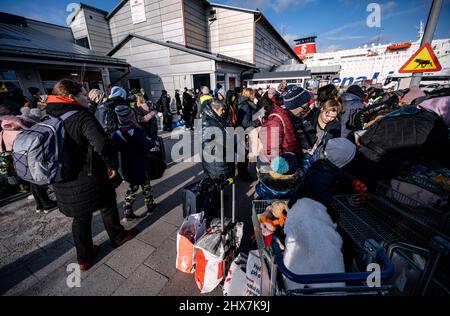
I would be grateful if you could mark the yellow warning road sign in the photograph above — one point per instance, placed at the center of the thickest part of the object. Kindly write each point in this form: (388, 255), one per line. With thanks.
(424, 60)
(3, 89)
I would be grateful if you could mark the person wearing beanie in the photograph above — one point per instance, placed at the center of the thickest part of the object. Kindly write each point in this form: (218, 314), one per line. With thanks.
(323, 176)
(106, 116)
(133, 147)
(281, 122)
(352, 101)
(413, 94)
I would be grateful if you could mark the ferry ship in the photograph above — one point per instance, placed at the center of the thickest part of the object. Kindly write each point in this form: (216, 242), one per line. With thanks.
(377, 64)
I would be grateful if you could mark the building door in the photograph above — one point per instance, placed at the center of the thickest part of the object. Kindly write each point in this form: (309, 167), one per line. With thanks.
(134, 84)
(202, 80)
(231, 83)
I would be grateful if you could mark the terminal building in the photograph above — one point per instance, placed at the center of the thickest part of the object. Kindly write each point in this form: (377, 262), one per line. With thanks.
(38, 54)
(150, 44)
(172, 44)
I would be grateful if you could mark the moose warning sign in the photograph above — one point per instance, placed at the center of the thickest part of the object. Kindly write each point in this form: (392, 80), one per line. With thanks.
(424, 60)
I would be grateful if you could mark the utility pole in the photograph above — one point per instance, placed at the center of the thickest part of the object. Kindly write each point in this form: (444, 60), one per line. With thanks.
(430, 28)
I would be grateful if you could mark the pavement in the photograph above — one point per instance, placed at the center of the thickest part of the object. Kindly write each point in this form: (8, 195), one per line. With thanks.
(36, 249)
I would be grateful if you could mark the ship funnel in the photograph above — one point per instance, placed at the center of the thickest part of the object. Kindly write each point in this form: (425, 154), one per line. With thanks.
(305, 46)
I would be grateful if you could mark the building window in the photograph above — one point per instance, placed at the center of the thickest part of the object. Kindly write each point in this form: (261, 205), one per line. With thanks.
(83, 42)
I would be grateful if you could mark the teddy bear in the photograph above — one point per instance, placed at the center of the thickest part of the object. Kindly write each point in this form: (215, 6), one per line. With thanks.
(271, 220)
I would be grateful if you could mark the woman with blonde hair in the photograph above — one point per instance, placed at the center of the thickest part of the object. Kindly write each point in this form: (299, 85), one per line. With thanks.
(146, 116)
(325, 124)
(246, 109)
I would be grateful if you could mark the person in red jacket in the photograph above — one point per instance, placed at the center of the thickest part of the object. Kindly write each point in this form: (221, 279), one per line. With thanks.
(281, 123)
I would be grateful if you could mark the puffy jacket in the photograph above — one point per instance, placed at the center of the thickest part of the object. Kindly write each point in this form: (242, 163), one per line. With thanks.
(87, 188)
(246, 109)
(367, 114)
(288, 139)
(352, 104)
(211, 143)
(133, 147)
(396, 138)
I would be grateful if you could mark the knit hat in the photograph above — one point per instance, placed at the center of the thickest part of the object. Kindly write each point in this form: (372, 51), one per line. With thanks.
(125, 115)
(356, 90)
(295, 97)
(118, 92)
(285, 164)
(414, 93)
(340, 151)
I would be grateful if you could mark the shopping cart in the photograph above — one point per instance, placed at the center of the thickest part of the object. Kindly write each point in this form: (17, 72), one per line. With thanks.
(375, 228)
(414, 235)
(273, 268)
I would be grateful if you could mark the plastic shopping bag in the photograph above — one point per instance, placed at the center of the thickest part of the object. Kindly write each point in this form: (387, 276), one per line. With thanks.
(257, 276)
(193, 227)
(215, 252)
(236, 280)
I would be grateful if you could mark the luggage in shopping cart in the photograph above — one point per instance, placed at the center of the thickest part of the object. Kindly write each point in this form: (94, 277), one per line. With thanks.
(216, 250)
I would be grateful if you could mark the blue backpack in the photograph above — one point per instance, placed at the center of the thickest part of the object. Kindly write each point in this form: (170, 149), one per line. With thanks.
(39, 153)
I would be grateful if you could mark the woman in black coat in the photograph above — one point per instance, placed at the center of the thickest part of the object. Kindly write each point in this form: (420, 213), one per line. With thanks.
(88, 188)
(324, 124)
(246, 109)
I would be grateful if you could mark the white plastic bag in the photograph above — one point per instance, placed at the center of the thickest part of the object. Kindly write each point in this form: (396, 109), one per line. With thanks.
(257, 278)
(193, 227)
(236, 280)
(214, 253)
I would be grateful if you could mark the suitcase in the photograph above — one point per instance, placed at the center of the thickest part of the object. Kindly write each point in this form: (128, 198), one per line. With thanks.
(157, 158)
(209, 269)
(202, 196)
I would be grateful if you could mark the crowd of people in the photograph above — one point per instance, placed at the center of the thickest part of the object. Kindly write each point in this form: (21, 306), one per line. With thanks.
(335, 142)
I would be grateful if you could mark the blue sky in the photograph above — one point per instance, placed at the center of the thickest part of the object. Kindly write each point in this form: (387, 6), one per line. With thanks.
(337, 23)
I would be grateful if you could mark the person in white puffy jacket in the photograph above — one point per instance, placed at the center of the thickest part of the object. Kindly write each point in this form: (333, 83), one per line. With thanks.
(313, 246)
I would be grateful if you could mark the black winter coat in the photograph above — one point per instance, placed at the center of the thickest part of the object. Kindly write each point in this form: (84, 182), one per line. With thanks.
(392, 140)
(87, 188)
(246, 109)
(134, 147)
(332, 129)
(212, 144)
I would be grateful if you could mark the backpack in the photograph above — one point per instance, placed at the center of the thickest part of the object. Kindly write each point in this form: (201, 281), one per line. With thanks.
(39, 153)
